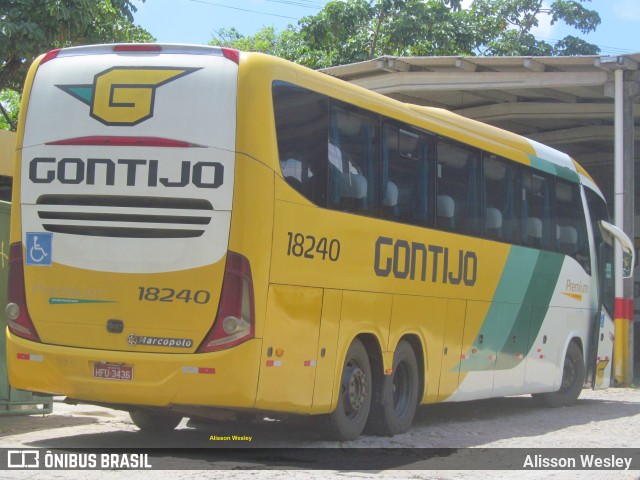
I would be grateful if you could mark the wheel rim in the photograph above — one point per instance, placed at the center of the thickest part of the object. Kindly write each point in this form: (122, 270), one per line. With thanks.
(354, 389)
(401, 388)
(569, 373)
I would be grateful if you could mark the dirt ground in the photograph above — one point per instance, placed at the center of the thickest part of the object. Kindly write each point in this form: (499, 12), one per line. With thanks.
(603, 419)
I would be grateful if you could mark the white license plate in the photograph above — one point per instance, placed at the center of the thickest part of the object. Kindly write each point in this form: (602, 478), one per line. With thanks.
(113, 371)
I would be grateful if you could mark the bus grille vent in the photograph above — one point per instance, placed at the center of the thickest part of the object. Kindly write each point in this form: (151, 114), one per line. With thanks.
(124, 216)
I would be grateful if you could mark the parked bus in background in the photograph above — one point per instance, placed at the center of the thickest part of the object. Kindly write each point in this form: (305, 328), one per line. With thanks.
(199, 232)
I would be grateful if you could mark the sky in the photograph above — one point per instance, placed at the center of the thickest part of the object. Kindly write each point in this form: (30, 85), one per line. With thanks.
(194, 21)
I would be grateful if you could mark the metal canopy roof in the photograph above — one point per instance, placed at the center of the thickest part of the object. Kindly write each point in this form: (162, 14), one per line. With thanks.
(564, 102)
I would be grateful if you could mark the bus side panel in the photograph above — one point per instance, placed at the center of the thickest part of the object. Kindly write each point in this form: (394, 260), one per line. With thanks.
(251, 226)
(478, 353)
(510, 364)
(425, 317)
(327, 351)
(542, 362)
(452, 349)
(288, 365)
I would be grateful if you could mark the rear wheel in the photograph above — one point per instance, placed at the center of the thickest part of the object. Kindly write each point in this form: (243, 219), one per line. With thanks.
(392, 413)
(150, 421)
(573, 374)
(354, 402)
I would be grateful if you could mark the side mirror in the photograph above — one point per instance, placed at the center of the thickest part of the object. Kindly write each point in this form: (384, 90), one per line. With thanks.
(611, 233)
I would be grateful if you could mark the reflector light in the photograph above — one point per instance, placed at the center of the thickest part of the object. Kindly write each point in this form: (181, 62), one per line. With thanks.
(31, 357)
(21, 326)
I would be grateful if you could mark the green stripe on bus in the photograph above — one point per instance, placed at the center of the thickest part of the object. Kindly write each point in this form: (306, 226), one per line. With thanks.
(505, 314)
(517, 311)
(541, 290)
(557, 170)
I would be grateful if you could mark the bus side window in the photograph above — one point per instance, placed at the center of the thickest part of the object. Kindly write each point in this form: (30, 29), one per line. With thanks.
(301, 131)
(597, 211)
(407, 173)
(500, 188)
(537, 211)
(571, 226)
(352, 159)
(458, 200)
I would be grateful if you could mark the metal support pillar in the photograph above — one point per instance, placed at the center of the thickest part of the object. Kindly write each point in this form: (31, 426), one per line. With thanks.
(623, 69)
(621, 341)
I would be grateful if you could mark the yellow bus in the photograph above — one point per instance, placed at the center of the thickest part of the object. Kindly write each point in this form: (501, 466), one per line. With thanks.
(199, 232)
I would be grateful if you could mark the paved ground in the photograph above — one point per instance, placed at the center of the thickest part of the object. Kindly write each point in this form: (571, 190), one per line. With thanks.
(608, 418)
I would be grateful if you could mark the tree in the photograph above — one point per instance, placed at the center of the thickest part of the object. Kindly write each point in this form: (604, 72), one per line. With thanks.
(355, 30)
(31, 27)
(508, 24)
(284, 43)
(10, 106)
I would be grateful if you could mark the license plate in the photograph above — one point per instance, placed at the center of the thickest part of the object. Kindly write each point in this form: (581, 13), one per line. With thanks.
(113, 371)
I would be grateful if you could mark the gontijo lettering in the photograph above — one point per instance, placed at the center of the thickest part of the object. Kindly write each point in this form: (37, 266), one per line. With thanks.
(413, 260)
(135, 172)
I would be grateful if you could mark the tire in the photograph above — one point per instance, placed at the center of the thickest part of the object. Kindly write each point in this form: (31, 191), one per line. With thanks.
(150, 421)
(395, 404)
(573, 375)
(354, 401)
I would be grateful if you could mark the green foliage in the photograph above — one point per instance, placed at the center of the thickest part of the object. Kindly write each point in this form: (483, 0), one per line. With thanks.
(31, 27)
(347, 31)
(507, 24)
(10, 102)
(283, 43)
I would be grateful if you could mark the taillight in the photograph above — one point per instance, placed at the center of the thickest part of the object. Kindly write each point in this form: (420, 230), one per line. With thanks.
(19, 321)
(235, 322)
(137, 47)
(231, 54)
(50, 55)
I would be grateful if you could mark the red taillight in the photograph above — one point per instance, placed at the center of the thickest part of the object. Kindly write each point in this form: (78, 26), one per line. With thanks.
(19, 321)
(231, 54)
(50, 55)
(235, 322)
(137, 47)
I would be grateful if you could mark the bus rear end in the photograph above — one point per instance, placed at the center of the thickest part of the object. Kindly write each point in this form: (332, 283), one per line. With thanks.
(123, 289)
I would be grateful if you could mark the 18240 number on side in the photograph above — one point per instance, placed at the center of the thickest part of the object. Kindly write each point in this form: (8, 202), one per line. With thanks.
(309, 246)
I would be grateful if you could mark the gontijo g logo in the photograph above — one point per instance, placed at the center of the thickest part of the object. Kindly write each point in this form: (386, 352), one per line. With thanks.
(124, 96)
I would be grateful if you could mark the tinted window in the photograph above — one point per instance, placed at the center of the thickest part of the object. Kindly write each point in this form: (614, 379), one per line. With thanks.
(598, 211)
(571, 227)
(537, 210)
(353, 151)
(301, 118)
(501, 189)
(407, 174)
(458, 192)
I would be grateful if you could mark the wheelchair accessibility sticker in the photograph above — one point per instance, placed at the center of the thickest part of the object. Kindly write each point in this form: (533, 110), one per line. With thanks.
(39, 248)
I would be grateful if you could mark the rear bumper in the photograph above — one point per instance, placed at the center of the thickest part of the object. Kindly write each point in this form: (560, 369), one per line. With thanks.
(228, 378)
